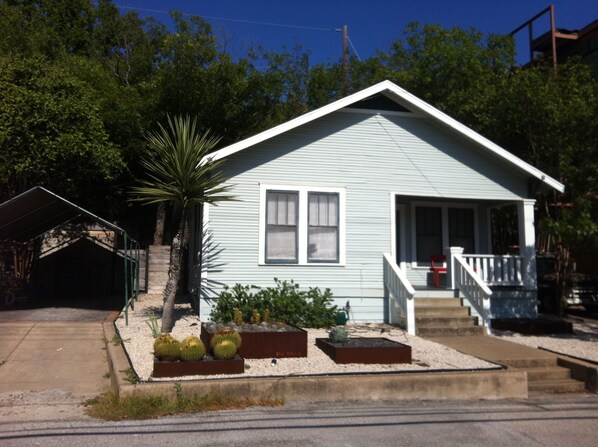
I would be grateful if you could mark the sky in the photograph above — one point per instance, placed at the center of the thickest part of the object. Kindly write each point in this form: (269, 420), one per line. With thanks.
(372, 25)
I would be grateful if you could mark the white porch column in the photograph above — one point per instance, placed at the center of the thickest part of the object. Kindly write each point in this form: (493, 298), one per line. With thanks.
(450, 253)
(527, 242)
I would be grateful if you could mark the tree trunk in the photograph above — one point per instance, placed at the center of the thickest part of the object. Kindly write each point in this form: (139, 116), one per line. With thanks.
(174, 275)
(160, 219)
(561, 270)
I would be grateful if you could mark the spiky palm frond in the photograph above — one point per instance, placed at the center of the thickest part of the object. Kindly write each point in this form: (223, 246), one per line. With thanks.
(178, 170)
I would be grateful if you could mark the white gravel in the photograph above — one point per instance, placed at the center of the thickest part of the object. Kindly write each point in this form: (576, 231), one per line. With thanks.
(583, 343)
(426, 355)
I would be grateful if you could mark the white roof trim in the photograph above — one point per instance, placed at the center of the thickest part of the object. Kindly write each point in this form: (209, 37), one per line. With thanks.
(423, 107)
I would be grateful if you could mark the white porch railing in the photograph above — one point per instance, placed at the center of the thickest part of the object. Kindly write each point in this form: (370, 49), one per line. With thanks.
(398, 287)
(472, 287)
(497, 270)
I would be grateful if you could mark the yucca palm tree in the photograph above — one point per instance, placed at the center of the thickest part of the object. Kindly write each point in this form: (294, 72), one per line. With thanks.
(179, 172)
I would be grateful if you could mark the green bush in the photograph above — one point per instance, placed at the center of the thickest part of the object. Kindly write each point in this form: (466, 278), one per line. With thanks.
(286, 302)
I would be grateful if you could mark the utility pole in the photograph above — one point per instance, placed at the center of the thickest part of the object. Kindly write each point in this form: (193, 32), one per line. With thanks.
(346, 59)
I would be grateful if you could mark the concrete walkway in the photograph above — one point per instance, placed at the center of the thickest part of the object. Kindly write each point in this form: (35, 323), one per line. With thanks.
(39, 356)
(493, 349)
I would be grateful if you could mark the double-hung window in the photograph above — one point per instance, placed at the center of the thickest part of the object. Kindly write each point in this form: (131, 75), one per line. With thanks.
(302, 225)
(281, 227)
(323, 227)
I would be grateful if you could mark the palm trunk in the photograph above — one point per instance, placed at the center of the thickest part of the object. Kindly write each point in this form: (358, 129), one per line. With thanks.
(174, 276)
(160, 219)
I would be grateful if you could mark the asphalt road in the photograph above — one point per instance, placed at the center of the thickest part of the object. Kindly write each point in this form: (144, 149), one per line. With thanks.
(557, 421)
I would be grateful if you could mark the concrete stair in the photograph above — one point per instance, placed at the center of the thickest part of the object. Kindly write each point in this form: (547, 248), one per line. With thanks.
(437, 317)
(544, 376)
(158, 261)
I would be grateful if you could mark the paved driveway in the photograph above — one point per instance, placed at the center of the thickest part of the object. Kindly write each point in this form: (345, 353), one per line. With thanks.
(47, 355)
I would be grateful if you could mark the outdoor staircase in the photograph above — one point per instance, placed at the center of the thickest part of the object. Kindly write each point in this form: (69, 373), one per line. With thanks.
(158, 261)
(544, 376)
(439, 317)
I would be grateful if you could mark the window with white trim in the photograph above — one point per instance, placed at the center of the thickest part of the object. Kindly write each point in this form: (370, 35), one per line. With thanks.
(301, 225)
(281, 227)
(323, 227)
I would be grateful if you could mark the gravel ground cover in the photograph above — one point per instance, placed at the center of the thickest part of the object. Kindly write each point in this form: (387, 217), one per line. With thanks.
(583, 343)
(427, 355)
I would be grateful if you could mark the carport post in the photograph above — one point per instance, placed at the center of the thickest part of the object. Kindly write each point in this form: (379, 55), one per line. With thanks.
(126, 282)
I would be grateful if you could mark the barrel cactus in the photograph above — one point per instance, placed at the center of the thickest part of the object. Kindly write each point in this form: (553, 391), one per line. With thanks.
(192, 348)
(224, 350)
(226, 334)
(168, 350)
(162, 339)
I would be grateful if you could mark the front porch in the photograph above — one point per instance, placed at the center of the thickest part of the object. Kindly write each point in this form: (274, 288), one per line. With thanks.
(491, 286)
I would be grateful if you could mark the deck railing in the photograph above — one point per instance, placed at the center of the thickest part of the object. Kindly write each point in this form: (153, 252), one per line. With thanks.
(473, 288)
(497, 270)
(398, 287)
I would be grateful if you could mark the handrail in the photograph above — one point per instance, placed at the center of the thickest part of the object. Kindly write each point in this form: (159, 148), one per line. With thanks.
(473, 288)
(399, 288)
(503, 270)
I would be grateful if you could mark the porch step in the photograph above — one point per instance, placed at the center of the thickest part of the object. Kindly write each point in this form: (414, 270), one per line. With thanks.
(438, 317)
(529, 362)
(449, 311)
(443, 331)
(445, 321)
(438, 302)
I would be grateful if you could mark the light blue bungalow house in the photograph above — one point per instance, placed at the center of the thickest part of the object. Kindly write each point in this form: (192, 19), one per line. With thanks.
(358, 196)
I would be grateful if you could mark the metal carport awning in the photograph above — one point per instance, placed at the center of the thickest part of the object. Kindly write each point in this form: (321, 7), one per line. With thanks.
(37, 211)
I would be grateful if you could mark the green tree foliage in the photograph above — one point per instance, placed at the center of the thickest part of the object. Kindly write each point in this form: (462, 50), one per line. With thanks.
(51, 133)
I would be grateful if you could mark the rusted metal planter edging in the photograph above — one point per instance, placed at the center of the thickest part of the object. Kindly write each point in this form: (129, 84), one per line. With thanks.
(267, 344)
(443, 385)
(204, 367)
(391, 352)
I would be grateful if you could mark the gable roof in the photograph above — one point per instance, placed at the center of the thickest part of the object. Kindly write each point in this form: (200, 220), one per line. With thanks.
(404, 98)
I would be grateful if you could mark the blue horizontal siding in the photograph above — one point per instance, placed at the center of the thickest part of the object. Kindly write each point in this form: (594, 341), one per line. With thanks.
(371, 156)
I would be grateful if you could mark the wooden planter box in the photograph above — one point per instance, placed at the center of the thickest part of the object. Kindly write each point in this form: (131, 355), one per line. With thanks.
(366, 350)
(207, 366)
(267, 344)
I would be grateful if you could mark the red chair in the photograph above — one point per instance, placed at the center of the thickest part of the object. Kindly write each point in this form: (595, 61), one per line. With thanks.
(437, 268)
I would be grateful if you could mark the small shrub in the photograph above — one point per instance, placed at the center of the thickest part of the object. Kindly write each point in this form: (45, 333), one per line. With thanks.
(285, 302)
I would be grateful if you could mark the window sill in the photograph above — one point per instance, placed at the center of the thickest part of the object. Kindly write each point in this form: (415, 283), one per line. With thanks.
(302, 264)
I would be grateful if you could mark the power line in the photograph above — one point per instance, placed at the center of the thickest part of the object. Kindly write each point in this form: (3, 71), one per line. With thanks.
(252, 22)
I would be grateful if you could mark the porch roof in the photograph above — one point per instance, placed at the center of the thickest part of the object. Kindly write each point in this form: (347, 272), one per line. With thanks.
(405, 99)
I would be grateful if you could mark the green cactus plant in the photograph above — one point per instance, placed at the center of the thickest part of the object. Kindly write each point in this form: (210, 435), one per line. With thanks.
(266, 316)
(168, 350)
(162, 339)
(256, 318)
(192, 348)
(226, 334)
(237, 316)
(225, 350)
(338, 334)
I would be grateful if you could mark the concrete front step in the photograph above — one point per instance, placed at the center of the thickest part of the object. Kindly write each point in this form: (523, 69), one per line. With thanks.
(541, 387)
(442, 302)
(442, 331)
(438, 311)
(547, 373)
(424, 321)
(541, 361)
